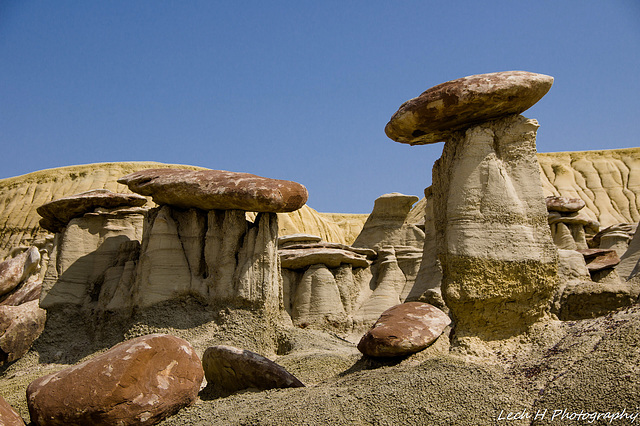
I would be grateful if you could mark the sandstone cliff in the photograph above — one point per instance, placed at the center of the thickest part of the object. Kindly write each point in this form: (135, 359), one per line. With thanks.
(608, 181)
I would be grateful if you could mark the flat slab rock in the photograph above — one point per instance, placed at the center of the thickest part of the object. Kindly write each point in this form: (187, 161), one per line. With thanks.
(564, 204)
(457, 104)
(599, 259)
(217, 190)
(137, 382)
(232, 369)
(403, 330)
(56, 214)
(332, 257)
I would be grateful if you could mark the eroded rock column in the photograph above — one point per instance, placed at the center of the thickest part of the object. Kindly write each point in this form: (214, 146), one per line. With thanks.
(493, 242)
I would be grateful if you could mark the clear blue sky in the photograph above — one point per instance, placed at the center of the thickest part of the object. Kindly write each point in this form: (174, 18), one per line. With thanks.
(297, 90)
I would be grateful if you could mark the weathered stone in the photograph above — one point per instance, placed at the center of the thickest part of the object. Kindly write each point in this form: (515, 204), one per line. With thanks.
(17, 269)
(29, 290)
(9, 416)
(456, 105)
(331, 257)
(317, 299)
(493, 240)
(137, 382)
(390, 281)
(56, 214)
(615, 237)
(86, 253)
(287, 240)
(388, 224)
(19, 327)
(599, 259)
(564, 204)
(369, 253)
(231, 369)
(217, 190)
(590, 299)
(404, 329)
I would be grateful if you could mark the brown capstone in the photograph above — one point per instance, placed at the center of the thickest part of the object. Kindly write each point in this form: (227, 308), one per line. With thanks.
(217, 190)
(455, 105)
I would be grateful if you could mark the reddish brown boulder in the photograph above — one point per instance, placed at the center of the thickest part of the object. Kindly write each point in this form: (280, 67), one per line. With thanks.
(404, 329)
(19, 327)
(137, 382)
(231, 369)
(29, 290)
(217, 190)
(452, 106)
(599, 259)
(564, 204)
(16, 269)
(56, 214)
(9, 416)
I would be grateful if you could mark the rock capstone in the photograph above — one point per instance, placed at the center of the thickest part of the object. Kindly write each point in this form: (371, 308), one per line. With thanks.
(137, 382)
(404, 329)
(231, 369)
(217, 190)
(564, 204)
(56, 214)
(458, 104)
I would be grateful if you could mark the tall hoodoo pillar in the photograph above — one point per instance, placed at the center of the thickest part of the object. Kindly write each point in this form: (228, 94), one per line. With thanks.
(492, 238)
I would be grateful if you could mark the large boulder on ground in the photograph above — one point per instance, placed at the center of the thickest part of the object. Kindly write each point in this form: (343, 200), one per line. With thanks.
(137, 382)
(19, 327)
(217, 190)
(404, 329)
(458, 104)
(27, 291)
(57, 213)
(17, 269)
(9, 416)
(230, 369)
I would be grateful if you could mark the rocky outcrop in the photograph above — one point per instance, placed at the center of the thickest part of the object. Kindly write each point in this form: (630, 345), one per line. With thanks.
(137, 382)
(442, 110)
(230, 369)
(388, 224)
(404, 329)
(493, 241)
(91, 256)
(217, 190)
(628, 266)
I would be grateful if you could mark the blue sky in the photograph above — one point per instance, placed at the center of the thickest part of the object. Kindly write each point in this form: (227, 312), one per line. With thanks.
(297, 90)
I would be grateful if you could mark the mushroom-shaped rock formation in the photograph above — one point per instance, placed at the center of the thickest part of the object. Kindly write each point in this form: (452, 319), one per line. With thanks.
(439, 112)
(217, 190)
(614, 237)
(56, 214)
(493, 241)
